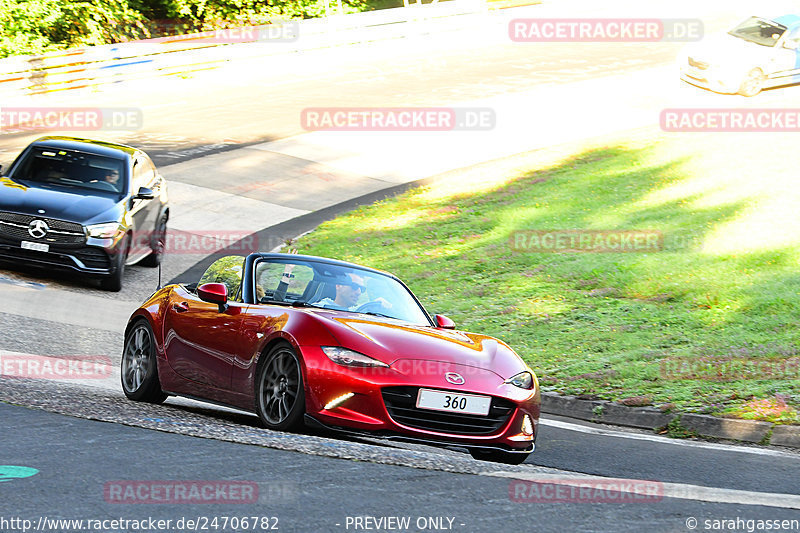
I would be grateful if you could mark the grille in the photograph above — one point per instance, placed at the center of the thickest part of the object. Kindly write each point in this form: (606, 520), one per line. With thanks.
(15, 226)
(93, 258)
(401, 404)
(90, 257)
(698, 64)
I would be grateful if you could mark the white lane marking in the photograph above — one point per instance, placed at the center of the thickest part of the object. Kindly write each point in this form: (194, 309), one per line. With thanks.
(665, 440)
(681, 491)
(22, 283)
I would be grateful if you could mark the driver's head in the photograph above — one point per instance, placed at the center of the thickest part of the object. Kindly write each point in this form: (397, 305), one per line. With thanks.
(348, 293)
(112, 176)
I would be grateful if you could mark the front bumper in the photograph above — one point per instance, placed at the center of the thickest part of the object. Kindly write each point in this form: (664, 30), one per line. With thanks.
(384, 404)
(710, 79)
(87, 260)
(313, 422)
(84, 258)
(69, 248)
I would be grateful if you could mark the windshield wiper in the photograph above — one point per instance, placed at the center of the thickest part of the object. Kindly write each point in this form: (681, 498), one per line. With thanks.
(380, 315)
(293, 303)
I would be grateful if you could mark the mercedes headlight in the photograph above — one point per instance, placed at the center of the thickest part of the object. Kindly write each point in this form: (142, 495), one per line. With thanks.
(103, 231)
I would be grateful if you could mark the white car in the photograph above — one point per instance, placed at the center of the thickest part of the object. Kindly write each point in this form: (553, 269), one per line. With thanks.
(757, 54)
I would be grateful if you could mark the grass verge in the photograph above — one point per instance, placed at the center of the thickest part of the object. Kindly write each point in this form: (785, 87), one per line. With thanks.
(707, 323)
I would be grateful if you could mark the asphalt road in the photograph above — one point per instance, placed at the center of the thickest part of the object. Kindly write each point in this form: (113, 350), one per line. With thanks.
(257, 102)
(79, 461)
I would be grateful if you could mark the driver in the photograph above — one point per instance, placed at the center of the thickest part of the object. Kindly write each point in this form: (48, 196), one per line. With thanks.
(348, 293)
(112, 177)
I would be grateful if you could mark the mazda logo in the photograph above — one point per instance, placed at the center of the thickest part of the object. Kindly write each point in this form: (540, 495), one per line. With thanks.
(38, 229)
(454, 378)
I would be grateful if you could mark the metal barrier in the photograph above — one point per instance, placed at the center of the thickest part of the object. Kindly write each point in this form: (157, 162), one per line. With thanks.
(182, 55)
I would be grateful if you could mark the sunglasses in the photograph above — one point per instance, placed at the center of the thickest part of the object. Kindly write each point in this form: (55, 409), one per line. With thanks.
(355, 285)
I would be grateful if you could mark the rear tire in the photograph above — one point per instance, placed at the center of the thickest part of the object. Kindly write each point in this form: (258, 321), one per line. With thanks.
(280, 393)
(499, 456)
(139, 369)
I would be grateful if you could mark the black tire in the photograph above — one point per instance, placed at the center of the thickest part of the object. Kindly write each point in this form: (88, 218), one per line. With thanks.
(753, 83)
(139, 370)
(499, 456)
(280, 396)
(113, 283)
(158, 242)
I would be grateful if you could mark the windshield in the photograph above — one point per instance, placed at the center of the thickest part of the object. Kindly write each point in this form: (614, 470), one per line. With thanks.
(326, 286)
(72, 169)
(759, 31)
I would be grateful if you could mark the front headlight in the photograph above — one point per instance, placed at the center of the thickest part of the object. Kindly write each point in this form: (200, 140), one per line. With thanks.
(345, 357)
(103, 231)
(523, 380)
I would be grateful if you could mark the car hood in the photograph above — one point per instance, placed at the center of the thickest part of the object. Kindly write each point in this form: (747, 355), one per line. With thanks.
(393, 341)
(725, 49)
(61, 203)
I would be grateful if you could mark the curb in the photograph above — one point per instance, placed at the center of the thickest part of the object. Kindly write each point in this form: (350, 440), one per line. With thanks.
(606, 412)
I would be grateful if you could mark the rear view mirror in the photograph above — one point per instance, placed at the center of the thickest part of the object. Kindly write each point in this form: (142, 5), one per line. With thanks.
(790, 44)
(215, 293)
(444, 322)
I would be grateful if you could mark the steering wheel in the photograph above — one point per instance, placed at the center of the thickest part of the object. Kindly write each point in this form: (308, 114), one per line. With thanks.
(374, 307)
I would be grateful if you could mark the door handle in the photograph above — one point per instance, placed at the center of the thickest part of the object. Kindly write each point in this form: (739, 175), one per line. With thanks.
(181, 307)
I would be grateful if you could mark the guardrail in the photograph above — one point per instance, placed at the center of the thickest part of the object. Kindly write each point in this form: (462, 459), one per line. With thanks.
(185, 54)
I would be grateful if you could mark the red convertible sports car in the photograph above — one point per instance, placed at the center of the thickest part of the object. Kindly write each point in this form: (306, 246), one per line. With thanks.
(299, 339)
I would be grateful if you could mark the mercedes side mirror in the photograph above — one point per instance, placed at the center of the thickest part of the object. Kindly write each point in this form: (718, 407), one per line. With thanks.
(145, 194)
(215, 293)
(444, 322)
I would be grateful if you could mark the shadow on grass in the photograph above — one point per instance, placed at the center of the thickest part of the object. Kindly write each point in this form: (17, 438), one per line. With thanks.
(592, 323)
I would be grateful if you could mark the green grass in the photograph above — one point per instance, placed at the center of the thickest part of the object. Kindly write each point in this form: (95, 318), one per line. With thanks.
(722, 297)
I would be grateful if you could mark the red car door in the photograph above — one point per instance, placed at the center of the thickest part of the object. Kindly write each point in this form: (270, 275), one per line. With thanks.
(200, 341)
(261, 321)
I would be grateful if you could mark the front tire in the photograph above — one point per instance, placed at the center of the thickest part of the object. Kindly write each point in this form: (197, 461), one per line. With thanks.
(160, 238)
(280, 393)
(499, 456)
(113, 283)
(139, 371)
(753, 83)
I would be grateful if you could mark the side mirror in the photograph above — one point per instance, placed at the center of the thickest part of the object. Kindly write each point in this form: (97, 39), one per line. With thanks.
(215, 293)
(144, 194)
(444, 322)
(790, 44)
